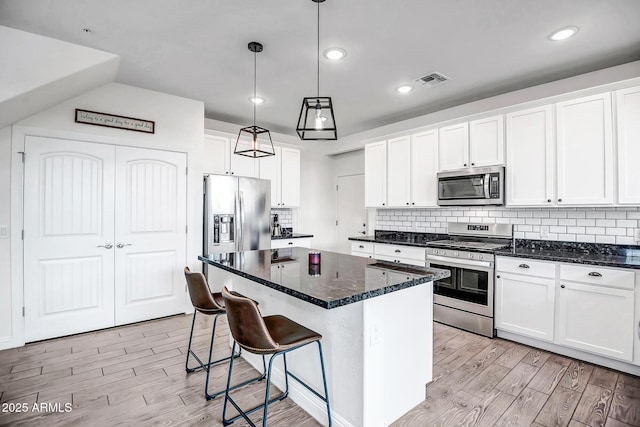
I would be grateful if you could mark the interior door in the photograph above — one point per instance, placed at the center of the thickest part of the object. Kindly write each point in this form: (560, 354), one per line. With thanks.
(68, 241)
(351, 215)
(150, 239)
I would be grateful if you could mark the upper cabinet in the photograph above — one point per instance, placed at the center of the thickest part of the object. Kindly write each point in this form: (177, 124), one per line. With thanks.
(283, 170)
(219, 158)
(530, 170)
(628, 124)
(584, 151)
(475, 144)
(574, 169)
(399, 172)
(375, 174)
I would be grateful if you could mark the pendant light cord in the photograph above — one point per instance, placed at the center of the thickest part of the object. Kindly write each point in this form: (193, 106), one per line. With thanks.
(255, 72)
(318, 52)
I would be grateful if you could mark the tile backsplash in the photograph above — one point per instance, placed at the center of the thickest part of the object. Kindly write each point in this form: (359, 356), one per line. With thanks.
(593, 225)
(285, 217)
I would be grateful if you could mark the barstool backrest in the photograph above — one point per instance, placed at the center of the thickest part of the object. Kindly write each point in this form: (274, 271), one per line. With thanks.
(199, 292)
(246, 324)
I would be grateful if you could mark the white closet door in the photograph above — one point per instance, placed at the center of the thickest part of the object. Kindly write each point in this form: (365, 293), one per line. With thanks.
(68, 221)
(150, 239)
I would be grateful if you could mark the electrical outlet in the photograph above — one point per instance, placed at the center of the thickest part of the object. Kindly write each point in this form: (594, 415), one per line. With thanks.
(544, 231)
(636, 235)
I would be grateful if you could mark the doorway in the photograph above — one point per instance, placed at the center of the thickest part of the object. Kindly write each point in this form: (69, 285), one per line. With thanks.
(351, 216)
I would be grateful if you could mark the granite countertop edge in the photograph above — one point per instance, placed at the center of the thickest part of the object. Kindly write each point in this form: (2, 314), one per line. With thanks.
(335, 303)
(292, 236)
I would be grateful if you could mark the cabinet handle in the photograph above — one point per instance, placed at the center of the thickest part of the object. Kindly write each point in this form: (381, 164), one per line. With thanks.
(407, 203)
(595, 274)
(498, 276)
(473, 164)
(231, 173)
(227, 172)
(548, 200)
(465, 164)
(638, 329)
(413, 203)
(559, 200)
(398, 251)
(361, 247)
(523, 266)
(290, 243)
(562, 286)
(383, 204)
(383, 273)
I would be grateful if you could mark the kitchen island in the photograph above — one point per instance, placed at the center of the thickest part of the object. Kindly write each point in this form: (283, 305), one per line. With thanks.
(375, 318)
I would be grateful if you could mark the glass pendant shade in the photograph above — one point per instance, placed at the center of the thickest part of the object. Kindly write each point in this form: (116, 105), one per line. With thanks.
(317, 120)
(254, 141)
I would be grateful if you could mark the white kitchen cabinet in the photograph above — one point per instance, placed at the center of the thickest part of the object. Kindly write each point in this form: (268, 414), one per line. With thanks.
(530, 166)
(598, 319)
(525, 305)
(219, 158)
(217, 155)
(399, 172)
(400, 254)
(375, 174)
(453, 147)
(584, 151)
(628, 131)
(478, 143)
(283, 170)
(424, 169)
(486, 141)
(302, 242)
(362, 249)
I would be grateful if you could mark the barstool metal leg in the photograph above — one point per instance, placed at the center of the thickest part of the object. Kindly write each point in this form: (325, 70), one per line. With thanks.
(324, 380)
(193, 323)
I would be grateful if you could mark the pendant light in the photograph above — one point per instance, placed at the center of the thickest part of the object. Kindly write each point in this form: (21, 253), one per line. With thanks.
(256, 137)
(317, 121)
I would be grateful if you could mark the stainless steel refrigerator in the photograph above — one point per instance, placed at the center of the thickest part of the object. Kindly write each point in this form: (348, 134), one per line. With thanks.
(236, 214)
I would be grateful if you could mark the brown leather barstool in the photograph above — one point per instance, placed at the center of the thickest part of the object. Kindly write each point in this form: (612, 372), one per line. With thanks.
(272, 335)
(211, 304)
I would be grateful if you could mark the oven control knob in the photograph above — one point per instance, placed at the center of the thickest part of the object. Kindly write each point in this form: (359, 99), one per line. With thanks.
(456, 253)
(470, 255)
(479, 256)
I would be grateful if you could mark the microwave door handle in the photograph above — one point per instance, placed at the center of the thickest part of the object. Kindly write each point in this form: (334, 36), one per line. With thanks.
(487, 179)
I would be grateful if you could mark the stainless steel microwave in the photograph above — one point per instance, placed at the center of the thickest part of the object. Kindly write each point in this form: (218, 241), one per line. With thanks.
(471, 187)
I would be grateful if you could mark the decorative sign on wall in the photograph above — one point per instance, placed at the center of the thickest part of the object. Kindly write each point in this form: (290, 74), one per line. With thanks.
(114, 121)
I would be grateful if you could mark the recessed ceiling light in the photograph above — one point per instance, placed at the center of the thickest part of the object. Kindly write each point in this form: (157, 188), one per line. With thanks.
(256, 100)
(404, 89)
(563, 33)
(335, 53)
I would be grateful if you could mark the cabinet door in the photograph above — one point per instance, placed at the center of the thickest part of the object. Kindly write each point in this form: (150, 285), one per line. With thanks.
(270, 169)
(375, 174)
(424, 169)
(585, 151)
(290, 167)
(596, 319)
(628, 110)
(398, 171)
(525, 305)
(486, 141)
(453, 147)
(530, 171)
(243, 165)
(216, 155)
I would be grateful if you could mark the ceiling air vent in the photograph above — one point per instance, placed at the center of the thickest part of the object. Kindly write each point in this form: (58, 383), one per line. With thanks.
(431, 80)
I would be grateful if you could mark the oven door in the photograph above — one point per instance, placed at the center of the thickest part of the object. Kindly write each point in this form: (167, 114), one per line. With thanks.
(469, 288)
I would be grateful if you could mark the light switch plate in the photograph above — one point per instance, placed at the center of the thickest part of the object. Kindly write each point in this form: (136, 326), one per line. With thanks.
(4, 231)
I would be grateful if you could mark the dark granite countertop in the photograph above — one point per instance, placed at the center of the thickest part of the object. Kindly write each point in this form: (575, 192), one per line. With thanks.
(576, 257)
(291, 236)
(338, 280)
(405, 238)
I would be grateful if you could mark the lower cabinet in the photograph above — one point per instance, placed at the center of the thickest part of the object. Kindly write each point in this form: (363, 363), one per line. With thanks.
(582, 307)
(525, 305)
(302, 242)
(362, 249)
(400, 254)
(597, 319)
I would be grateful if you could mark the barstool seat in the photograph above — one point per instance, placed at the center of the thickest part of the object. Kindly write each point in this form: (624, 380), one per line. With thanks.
(211, 304)
(275, 335)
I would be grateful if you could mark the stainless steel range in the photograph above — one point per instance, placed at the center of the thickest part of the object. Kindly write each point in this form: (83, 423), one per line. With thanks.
(465, 299)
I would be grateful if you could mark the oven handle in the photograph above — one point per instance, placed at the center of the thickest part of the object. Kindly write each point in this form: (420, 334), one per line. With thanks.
(488, 265)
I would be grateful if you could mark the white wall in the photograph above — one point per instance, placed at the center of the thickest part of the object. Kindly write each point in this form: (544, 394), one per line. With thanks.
(179, 124)
(5, 244)
(39, 72)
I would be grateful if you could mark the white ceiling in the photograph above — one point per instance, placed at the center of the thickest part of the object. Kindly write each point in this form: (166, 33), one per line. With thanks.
(198, 49)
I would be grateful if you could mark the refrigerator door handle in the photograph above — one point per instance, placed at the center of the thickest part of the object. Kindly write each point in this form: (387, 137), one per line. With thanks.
(241, 221)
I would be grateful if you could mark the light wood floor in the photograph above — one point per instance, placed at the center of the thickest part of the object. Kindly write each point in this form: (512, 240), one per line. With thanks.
(134, 375)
